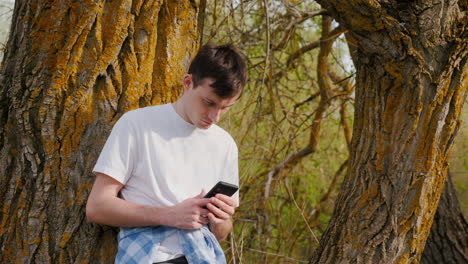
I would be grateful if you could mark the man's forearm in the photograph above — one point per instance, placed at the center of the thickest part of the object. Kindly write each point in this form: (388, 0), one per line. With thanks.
(120, 213)
(221, 230)
(105, 207)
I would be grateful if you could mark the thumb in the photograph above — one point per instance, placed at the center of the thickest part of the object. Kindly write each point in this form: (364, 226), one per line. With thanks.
(202, 193)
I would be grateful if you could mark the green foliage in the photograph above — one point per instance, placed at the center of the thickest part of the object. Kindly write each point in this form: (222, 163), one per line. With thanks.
(268, 124)
(459, 163)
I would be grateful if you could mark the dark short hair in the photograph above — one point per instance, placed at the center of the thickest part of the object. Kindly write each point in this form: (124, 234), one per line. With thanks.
(222, 63)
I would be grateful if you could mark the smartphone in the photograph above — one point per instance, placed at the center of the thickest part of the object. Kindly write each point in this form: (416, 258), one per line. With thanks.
(223, 188)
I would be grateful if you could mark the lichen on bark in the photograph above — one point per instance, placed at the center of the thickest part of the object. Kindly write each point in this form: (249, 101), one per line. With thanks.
(71, 69)
(409, 91)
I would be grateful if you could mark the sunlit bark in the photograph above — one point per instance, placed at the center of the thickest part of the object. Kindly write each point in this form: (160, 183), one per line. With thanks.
(71, 69)
(411, 82)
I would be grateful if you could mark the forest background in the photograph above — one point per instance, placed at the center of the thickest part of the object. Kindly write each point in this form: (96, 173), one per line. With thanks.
(285, 209)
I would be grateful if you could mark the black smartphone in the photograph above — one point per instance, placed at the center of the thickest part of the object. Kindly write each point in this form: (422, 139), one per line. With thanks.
(223, 188)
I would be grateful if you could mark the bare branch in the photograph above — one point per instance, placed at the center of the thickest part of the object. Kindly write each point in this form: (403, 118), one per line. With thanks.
(325, 94)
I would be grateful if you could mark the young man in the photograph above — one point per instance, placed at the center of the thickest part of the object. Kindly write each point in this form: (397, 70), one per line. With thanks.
(158, 161)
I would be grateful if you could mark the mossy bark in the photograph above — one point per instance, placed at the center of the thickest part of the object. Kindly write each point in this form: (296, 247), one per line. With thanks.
(448, 240)
(71, 69)
(411, 82)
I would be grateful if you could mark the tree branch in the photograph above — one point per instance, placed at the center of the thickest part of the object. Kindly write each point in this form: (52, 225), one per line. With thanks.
(325, 94)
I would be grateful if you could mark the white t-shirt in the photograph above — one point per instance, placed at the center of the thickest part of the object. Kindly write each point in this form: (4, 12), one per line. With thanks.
(162, 160)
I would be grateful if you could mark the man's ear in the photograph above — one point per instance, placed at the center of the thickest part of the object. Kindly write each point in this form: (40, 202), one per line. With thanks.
(187, 81)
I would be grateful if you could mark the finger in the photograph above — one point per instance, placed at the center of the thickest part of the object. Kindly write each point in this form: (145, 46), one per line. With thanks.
(197, 225)
(223, 206)
(217, 212)
(214, 219)
(203, 219)
(201, 194)
(227, 199)
(204, 211)
(203, 202)
(193, 224)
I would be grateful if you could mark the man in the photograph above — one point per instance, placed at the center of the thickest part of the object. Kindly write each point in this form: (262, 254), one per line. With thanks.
(158, 161)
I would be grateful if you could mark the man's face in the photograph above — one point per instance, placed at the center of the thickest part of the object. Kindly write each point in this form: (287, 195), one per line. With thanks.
(202, 106)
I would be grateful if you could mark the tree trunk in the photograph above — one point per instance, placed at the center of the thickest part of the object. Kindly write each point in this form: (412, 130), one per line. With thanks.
(448, 240)
(411, 81)
(71, 69)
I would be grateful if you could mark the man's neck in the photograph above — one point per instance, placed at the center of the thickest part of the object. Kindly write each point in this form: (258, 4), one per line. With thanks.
(178, 107)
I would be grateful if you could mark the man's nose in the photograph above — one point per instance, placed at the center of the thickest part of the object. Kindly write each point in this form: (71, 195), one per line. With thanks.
(215, 115)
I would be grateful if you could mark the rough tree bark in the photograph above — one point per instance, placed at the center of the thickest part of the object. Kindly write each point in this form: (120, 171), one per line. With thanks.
(71, 69)
(448, 240)
(411, 83)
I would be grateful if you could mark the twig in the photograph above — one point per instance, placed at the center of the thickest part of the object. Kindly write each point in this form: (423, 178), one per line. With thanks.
(316, 210)
(301, 211)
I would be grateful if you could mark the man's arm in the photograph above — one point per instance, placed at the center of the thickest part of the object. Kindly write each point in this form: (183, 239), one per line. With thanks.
(105, 207)
(222, 208)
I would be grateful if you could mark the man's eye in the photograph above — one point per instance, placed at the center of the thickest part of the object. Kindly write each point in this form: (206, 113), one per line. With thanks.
(209, 103)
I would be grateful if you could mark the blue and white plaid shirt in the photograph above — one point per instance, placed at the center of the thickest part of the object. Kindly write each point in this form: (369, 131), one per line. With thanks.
(139, 245)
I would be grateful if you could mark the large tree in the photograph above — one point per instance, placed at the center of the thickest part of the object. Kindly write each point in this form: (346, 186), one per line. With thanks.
(70, 70)
(411, 81)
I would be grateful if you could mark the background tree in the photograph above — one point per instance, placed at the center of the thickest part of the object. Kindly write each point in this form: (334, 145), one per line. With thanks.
(447, 242)
(70, 70)
(411, 75)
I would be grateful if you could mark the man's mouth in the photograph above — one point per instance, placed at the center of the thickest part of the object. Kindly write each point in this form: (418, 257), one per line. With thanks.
(207, 123)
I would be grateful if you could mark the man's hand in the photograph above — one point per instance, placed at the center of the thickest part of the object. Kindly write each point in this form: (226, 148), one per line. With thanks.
(222, 208)
(190, 214)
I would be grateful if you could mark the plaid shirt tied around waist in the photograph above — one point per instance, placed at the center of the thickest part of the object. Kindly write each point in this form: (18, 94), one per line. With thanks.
(139, 245)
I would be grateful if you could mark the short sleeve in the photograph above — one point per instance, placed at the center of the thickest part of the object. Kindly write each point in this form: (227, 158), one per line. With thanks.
(232, 168)
(118, 155)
